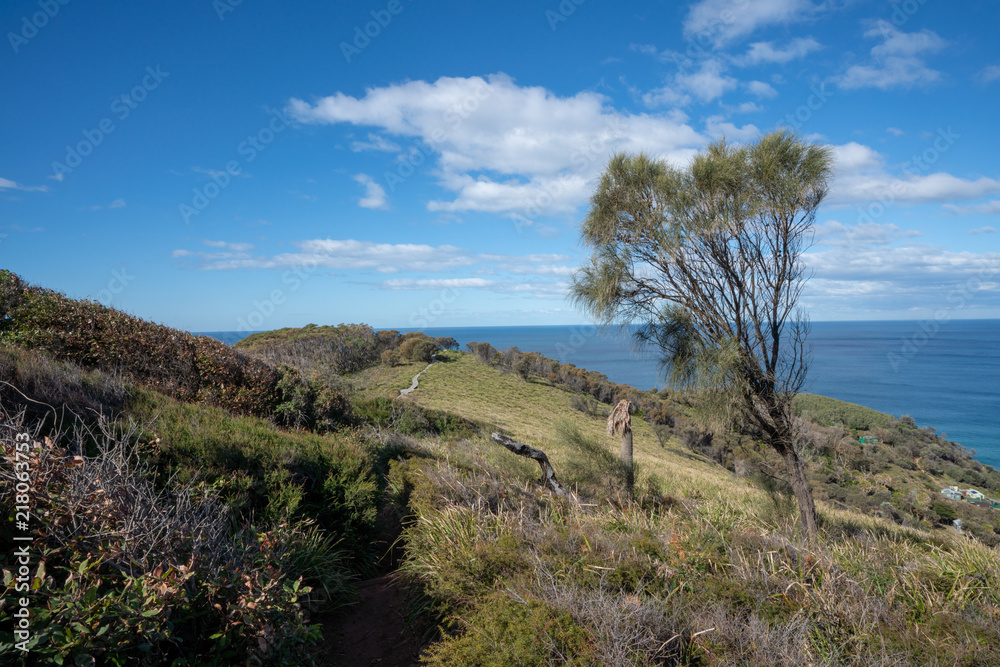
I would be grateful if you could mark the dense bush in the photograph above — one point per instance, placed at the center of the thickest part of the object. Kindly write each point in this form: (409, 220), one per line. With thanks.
(340, 349)
(418, 348)
(140, 576)
(187, 367)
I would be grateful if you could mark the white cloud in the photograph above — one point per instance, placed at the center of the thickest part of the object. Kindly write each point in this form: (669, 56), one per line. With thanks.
(989, 208)
(749, 107)
(435, 283)
(7, 184)
(235, 247)
(498, 146)
(897, 62)
(375, 143)
(895, 131)
(984, 230)
(864, 267)
(766, 52)
(723, 21)
(861, 177)
(717, 127)
(708, 83)
(988, 74)
(374, 193)
(761, 89)
(645, 49)
(118, 203)
(542, 275)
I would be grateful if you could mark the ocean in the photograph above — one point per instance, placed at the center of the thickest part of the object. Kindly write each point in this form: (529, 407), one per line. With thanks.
(945, 375)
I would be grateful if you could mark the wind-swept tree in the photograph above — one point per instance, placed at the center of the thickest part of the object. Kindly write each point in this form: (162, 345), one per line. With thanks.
(707, 260)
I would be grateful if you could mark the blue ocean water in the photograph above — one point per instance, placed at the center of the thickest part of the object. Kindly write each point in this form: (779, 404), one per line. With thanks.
(946, 376)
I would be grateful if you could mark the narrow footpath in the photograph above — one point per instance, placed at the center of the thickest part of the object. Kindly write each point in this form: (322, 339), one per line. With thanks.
(413, 385)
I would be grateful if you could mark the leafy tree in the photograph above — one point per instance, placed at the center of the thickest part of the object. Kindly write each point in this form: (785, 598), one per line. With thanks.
(708, 261)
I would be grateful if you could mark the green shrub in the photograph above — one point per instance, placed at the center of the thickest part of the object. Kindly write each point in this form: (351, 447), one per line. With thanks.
(418, 349)
(945, 512)
(187, 367)
(503, 632)
(391, 358)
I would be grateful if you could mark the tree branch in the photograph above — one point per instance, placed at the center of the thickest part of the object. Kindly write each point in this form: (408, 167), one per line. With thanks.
(548, 473)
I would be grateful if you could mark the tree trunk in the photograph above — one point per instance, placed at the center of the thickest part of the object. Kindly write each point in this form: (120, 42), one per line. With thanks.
(803, 493)
(548, 472)
(627, 459)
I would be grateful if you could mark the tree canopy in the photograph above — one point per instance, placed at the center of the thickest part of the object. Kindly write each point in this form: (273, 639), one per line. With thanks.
(707, 260)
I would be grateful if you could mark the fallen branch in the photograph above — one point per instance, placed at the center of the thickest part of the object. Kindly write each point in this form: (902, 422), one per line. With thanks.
(548, 474)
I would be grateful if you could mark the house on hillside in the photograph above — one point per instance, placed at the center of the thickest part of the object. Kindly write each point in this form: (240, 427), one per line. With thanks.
(972, 494)
(952, 493)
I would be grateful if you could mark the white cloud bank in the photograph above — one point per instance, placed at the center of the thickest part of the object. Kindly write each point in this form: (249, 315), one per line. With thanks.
(504, 148)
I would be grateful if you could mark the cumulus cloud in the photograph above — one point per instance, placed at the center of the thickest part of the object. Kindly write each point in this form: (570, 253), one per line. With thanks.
(375, 196)
(898, 62)
(499, 146)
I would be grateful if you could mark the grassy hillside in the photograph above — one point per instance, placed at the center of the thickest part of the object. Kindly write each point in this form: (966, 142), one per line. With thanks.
(186, 525)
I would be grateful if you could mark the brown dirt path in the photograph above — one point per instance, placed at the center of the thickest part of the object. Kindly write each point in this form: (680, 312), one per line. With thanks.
(373, 631)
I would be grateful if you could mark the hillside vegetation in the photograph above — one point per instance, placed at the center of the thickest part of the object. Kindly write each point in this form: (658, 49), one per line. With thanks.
(199, 504)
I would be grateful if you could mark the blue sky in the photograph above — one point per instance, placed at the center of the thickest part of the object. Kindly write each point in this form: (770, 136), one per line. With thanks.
(218, 165)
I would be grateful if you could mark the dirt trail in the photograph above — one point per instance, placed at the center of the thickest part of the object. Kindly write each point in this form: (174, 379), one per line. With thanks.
(373, 631)
(413, 385)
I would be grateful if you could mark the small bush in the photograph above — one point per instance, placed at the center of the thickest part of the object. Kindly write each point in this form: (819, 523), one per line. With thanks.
(391, 358)
(502, 631)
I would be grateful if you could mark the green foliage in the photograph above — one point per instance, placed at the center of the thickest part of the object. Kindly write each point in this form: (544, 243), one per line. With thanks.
(266, 472)
(189, 368)
(830, 411)
(391, 358)
(418, 349)
(136, 576)
(333, 350)
(501, 632)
